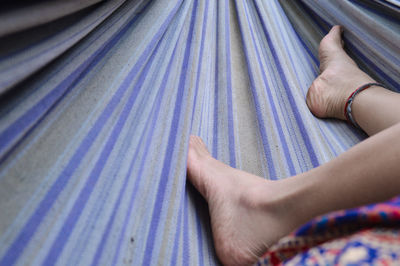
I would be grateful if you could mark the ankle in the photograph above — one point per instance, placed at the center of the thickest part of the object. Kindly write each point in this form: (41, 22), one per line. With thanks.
(280, 200)
(292, 201)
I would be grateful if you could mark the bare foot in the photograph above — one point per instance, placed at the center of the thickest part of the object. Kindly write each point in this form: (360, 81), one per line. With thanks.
(247, 212)
(339, 77)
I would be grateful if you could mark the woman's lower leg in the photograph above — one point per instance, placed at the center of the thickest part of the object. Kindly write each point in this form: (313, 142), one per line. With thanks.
(249, 213)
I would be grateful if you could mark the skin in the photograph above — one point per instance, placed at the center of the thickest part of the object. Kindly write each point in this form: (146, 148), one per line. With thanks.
(340, 76)
(249, 214)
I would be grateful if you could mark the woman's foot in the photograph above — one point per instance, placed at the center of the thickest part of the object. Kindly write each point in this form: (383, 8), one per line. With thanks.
(248, 213)
(339, 77)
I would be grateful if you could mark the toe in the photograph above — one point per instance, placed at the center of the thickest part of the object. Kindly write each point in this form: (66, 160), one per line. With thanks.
(330, 47)
(197, 158)
(333, 39)
(336, 35)
(197, 145)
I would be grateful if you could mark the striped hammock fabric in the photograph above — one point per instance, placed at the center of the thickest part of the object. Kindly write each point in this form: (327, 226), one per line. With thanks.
(98, 100)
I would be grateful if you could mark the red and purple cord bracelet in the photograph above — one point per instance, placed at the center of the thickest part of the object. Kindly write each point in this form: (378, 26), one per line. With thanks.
(349, 102)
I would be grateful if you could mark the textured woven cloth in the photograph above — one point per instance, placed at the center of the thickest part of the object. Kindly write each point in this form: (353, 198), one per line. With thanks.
(97, 102)
(364, 235)
(370, 246)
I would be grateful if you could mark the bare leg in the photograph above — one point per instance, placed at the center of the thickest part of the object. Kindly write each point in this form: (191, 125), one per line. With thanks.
(248, 213)
(374, 109)
(245, 210)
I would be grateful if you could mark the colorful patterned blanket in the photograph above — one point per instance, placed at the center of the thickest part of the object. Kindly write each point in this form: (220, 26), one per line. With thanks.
(369, 234)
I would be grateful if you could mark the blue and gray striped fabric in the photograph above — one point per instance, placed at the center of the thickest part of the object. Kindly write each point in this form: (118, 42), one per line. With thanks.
(98, 99)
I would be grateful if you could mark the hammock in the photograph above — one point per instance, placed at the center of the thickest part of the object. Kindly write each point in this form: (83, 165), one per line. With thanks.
(98, 100)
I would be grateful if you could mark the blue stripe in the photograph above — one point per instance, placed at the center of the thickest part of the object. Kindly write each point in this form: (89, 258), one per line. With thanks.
(216, 103)
(231, 131)
(170, 147)
(292, 101)
(36, 114)
(24, 237)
